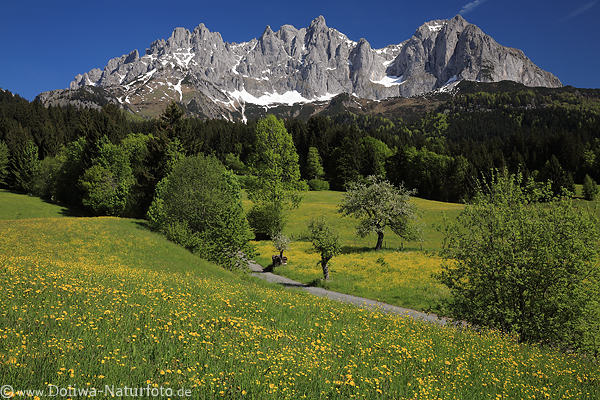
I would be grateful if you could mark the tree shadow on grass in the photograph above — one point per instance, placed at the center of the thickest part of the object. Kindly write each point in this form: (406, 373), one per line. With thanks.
(142, 224)
(356, 249)
(367, 249)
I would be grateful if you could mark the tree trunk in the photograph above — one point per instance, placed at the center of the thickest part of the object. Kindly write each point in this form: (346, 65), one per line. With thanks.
(324, 262)
(281, 255)
(379, 240)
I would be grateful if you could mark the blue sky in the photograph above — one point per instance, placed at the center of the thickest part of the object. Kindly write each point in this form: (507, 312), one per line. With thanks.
(45, 44)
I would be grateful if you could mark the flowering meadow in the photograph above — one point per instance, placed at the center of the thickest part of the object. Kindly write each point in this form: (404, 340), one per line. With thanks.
(88, 302)
(402, 278)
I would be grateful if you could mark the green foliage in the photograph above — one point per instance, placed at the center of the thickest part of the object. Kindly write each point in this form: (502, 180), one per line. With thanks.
(135, 146)
(375, 154)
(318, 184)
(44, 181)
(524, 267)
(233, 162)
(106, 184)
(72, 167)
(198, 205)
(3, 163)
(561, 179)
(275, 164)
(277, 182)
(24, 165)
(171, 120)
(266, 220)
(314, 166)
(378, 204)
(590, 188)
(433, 175)
(325, 241)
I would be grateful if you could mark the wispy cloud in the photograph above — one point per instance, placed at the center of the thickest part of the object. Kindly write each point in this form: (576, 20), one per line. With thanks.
(581, 10)
(470, 6)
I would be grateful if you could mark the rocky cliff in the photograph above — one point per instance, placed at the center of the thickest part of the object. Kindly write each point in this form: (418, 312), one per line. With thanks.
(217, 79)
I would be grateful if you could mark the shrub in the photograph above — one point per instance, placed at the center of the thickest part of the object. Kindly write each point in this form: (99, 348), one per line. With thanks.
(525, 267)
(590, 188)
(276, 182)
(44, 181)
(72, 167)
(106, 184)
(318, 184)
(198, 205)
(266, 220)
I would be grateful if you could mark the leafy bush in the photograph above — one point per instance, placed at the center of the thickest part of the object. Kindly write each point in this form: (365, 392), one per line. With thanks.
(525, 267)
(198, 205)
(590, 188)
(318, 184)
(266, 219)
(276, 180)
(44, 181)
(72, 167)
(106, 184)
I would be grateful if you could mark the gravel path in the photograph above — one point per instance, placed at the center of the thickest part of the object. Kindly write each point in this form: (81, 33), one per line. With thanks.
(257, 271)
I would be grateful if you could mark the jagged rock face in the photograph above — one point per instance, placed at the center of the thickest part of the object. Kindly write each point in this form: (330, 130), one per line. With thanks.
(213, 78)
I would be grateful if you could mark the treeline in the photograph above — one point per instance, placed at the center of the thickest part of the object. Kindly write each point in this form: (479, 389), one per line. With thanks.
(544, 134)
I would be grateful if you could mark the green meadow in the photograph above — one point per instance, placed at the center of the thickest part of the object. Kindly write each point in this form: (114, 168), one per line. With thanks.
(89, 302)
(401, 274)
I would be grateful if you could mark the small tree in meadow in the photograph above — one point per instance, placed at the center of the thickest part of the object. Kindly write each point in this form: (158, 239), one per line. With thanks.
(325, 241)
(379, 204)
(281, 243)
(590, 188)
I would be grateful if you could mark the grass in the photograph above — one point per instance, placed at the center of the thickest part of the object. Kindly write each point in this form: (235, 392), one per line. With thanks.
(17, 206)
(88, 302)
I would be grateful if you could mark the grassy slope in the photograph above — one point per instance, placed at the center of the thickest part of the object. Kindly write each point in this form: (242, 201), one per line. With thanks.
(17, 206)
(95, 301)
(402, 278)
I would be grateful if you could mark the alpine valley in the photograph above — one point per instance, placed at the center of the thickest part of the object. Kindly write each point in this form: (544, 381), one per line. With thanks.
(296, 70)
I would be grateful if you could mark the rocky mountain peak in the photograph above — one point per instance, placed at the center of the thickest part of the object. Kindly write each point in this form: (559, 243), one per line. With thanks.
(217, 79)
(318, 24)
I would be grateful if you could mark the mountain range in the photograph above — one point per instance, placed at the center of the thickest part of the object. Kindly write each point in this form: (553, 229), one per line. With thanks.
(216, 79)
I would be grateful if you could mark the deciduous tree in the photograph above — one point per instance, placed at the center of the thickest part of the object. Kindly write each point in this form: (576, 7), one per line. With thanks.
(275, 165)
(325, 241)
(378, 204)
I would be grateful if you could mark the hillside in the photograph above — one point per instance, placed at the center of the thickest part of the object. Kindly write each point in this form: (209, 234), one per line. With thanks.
(89, 302)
